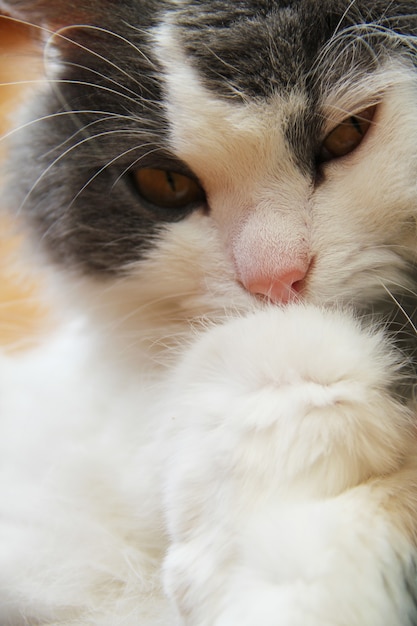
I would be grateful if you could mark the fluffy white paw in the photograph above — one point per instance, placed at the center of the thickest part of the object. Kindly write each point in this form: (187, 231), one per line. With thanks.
(334, 562)
(273, 415)
(301, 392)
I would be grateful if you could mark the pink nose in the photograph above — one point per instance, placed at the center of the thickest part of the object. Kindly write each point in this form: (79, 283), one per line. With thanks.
(281, 288)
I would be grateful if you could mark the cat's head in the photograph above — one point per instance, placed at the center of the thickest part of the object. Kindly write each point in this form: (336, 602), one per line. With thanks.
(192, 157)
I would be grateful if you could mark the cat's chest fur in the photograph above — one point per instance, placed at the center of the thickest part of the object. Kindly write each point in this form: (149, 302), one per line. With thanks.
(226, 191)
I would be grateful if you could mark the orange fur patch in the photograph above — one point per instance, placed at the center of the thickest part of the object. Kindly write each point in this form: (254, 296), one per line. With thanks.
(21, 312)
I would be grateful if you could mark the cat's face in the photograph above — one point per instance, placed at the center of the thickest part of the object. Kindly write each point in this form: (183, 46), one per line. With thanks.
(203, 155)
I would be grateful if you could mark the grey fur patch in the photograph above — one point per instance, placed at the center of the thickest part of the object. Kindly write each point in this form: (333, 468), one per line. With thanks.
(256, 47)
(105, 117)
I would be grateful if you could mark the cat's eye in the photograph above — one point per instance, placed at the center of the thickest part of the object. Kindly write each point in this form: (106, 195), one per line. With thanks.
(347, 136)
(168, 189)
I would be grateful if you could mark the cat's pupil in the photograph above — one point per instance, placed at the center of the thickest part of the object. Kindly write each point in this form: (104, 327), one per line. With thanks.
(171, 181)
(356, 123)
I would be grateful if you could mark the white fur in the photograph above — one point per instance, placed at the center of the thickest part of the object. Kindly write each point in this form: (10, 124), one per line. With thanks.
(200, 458)
(256, 443)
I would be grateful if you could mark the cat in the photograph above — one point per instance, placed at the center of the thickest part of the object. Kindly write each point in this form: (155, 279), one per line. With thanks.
(221, 430)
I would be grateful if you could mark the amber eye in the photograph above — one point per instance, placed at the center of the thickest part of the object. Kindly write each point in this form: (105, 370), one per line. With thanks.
(168, 190)
(347, 136)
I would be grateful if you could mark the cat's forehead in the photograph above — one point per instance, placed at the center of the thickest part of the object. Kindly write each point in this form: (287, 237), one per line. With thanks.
(249, 48)
(303, 97)
(253, 48)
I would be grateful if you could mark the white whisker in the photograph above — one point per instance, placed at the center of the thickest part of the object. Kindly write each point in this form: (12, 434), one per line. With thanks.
(68, 151)
(112, 162)
(400, 307)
